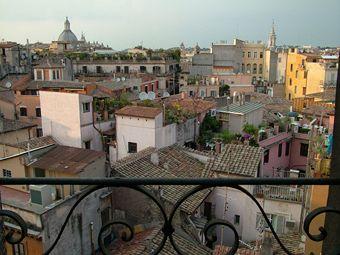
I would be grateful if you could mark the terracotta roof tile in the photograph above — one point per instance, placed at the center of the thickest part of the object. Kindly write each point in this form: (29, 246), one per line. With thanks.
(238, 159)
(36, 142)
(139, 111)
(13, 125)
(173, 163)
(67, 159)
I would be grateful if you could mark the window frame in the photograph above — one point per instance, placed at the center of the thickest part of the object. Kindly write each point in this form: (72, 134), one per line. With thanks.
(6, 173)
(279, 150)
(266, 156)
(38, 112)
(85, 110)
(304, 147)
(132, 147)
(287, 149)
(23, 108)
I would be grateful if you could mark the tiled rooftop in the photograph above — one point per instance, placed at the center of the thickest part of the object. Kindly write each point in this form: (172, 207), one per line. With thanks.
(237, 159)
(148, 241)
(35, 143)
(173, 163)
(193, 105)
(139, 111)
(67, 159)
(245, 108)
(13, 125)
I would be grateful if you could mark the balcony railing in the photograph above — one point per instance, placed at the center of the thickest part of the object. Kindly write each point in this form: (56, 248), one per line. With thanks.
(283, 193)
(277, 190)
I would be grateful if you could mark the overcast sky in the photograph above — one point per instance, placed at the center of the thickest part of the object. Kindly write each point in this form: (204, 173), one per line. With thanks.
(167, 23)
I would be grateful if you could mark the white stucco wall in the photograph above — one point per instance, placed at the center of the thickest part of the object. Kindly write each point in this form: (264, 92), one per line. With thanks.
(60, 117)
(239, 204)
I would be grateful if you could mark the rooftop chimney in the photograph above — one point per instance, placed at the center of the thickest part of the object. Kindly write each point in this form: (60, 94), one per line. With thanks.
(218, 146)
(154, 158)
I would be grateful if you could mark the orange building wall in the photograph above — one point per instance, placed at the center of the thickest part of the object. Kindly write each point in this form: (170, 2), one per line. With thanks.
(319, 196)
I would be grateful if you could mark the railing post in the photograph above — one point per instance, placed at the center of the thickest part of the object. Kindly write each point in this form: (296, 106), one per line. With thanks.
(331, 244)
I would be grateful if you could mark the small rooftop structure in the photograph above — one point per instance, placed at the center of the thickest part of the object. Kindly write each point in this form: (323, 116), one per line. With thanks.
(245, 108)
(36, 85)
(238, 159)
(67, 159)
(139, 111)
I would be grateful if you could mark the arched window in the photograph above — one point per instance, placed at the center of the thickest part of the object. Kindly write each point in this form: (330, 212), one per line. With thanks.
(260, 68)
(248, 68)
(243, 70)
(254, 68)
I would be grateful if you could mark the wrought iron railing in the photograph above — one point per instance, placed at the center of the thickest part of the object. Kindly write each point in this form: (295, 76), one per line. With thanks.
(168, 228)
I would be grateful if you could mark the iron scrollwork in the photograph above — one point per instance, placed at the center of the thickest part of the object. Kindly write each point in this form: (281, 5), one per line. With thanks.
(168, 227)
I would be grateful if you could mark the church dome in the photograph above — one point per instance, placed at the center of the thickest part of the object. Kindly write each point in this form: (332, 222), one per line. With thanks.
(67, 35)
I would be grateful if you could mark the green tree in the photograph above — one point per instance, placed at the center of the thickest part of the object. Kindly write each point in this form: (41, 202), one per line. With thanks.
(250, 129)
(224, 90)
(226, 136)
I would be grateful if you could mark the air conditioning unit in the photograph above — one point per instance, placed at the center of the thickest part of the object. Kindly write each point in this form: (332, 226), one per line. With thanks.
(42, 195)
(290, 224)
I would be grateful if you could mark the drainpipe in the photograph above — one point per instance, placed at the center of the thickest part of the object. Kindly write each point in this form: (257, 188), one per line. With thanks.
(94, 126)
(91, 236)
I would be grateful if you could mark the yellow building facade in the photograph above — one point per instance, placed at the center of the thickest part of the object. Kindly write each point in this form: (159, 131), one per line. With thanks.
(296, 75)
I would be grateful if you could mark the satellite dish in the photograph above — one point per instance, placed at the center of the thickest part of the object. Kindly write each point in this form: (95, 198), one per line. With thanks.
(118, 80)
(123, 78)
(151, 95)
(143, 96)
(8, 85)
(166, 94)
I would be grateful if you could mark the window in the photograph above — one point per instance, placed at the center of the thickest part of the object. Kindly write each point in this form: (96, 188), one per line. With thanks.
(243, 69)
(87, 145)
(38, 112)
(296, 73)
(142, 69)
(291, 67)
(248, 68)
(278, 222)
(146, 88)
(39, 132)
(261, 54)
(39, 75)
(287, 148)
(6, 173)
(39, 172)
(213, 93)
(98, 69)
(152, 86)
(260, 68)
(249, 54)
(254, 69)
(289, 96)
(304, 149)
(279, 153)
(57, 74)
(295, 89)
(54, 75)
(86, 107)
(117, 69)
(18, 249)
(23, 111)
(191, 93)
(255, 54)
(290, 81)
(266, 156)
(304, 90)
(236, 219)
(202, 93)
(305, 74)
(243, 54)
(132, 147)
(126, 69)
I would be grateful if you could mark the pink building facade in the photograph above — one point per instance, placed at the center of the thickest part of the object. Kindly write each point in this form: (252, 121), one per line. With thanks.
(283, 152)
